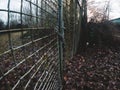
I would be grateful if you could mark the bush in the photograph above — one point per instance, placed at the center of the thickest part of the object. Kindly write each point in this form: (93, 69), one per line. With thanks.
(103, 33)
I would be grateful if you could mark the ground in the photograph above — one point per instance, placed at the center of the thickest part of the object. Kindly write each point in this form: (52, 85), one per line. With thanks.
(95, 69)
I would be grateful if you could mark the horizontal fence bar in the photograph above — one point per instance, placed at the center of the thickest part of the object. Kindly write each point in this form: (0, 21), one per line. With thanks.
(48, 79)
(41, 84)
(43, 72)
(39, 7)
(26, 59)
(26, 44)
(24, 29)
(51, 69)
(50, 83)
(11, 11)
(22, 77)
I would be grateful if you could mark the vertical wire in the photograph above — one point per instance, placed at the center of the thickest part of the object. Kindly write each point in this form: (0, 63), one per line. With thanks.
(9, 34)
(41, 13)
(21, 20)
(38, 31)
(79, 26)
(41, 20)
(44, 18)
(48, 15)
(73, 35)
(37, 13)
(21, 27)
(45, 14)
(22, 35)
(76, 27)
(37, 19)
(31, 31)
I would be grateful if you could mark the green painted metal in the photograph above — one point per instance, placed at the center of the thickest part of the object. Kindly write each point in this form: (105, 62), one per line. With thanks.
(31, 61)
(77, 26)
(60, 39)
(35, 53)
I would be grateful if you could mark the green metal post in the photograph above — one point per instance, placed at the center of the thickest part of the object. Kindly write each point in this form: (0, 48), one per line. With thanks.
(78, 26)
(74, 29)
(60, 39)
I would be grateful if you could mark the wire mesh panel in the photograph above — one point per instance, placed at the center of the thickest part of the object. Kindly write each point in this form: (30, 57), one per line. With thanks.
(28, 45)
(72, 12)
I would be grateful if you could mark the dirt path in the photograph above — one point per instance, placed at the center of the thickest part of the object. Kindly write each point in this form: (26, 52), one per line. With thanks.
(96, 69)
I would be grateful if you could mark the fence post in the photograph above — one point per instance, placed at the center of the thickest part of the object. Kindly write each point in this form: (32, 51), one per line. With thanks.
(60, 40)
(74, 28)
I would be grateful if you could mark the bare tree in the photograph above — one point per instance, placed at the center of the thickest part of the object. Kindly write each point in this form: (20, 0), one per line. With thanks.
(97, 12)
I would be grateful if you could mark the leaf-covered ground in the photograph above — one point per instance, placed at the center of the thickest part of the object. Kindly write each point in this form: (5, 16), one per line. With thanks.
(95, 69)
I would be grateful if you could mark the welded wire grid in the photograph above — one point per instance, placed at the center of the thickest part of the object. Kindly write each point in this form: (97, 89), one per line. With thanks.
(77, 26)
(29, 53)
(72, 21)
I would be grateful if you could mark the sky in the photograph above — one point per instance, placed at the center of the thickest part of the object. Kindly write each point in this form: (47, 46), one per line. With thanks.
(114, 7)
(15, 5)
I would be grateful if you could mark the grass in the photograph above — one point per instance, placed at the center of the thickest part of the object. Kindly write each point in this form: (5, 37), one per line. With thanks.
(4, 41)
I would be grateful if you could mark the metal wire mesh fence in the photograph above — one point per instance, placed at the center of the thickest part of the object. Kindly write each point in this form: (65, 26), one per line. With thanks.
(29, 52)
(72, 12)
(31, 42)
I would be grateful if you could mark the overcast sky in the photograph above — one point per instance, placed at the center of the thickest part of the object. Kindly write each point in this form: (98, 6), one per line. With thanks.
(15, 5)
(114, 7)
